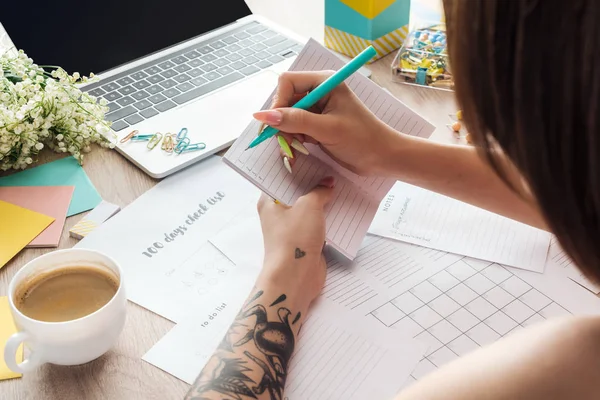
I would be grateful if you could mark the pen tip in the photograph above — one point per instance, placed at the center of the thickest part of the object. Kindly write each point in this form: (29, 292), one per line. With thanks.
(247, 148)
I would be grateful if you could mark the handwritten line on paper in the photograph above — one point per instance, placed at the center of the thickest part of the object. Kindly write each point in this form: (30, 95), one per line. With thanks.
(558, 256)
(356, 198)
(425, 218)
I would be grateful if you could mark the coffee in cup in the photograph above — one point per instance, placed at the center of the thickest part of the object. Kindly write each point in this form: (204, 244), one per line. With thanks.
(69, 307)
(65, 294)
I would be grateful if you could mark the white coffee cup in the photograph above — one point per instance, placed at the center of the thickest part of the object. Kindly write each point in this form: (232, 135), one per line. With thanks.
(71, 342)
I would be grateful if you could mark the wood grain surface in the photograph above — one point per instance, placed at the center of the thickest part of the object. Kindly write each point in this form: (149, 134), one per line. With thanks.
(121, 373)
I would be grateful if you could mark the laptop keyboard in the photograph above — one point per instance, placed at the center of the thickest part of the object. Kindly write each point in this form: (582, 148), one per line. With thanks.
(173, 80)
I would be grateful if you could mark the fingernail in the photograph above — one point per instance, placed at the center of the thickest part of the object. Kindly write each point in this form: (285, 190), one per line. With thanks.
(285, 146)
(299, 146)
(270, 117)
(286, 164)
(262, 128)
(328, 182)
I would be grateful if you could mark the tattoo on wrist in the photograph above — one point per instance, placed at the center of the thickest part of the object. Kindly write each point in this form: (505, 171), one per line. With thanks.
(299, 253)
(252, 360)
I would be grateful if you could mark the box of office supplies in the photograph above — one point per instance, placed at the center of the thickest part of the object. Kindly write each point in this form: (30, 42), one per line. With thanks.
(423, 58)
(353, 25)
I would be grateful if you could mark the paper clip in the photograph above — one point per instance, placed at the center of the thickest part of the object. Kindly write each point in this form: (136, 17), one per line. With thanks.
(182, 144)
(141, 138)
(182, 134)
(128, 137)
(193, 147)
(168, 144)
(154, 141)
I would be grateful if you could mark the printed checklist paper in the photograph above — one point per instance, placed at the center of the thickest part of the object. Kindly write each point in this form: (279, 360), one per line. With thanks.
(425, 218)
(356, 198)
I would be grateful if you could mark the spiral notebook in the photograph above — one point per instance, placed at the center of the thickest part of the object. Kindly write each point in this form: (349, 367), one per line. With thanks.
(356, 198)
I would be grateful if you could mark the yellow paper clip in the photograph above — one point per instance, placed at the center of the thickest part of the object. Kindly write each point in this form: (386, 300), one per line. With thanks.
(128, 137)
(168, 143)
(154, 141)
(182, 144)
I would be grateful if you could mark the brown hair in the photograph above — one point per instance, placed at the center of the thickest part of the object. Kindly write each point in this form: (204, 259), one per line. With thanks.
(527, 77)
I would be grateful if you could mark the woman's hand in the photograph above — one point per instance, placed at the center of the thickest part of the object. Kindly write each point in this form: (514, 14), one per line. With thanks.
(340, 123)
(294, 238)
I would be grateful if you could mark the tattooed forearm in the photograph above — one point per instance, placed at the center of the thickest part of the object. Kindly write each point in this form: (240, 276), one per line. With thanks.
(252, 360)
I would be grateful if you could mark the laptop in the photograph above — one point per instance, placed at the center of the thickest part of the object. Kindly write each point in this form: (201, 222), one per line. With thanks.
(163, 66)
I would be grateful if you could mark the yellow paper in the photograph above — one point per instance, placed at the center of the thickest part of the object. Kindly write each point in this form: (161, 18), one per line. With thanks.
(7, 329)
(18, 227)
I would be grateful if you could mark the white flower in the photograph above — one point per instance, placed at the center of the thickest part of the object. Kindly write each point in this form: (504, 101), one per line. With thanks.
(60, 137)
(39, 146)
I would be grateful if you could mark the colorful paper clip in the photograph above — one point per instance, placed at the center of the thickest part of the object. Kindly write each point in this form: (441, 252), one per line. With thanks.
(193, 147)
(129, 136)
(168, 143)
(154, 140)
(141, 138)
(182, 144)
(182, 134)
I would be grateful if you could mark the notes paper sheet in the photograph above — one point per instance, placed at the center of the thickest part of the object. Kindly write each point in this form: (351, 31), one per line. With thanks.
(356, 198)
(425, 218)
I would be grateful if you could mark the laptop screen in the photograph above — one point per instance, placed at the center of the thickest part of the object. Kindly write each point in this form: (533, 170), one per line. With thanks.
(94, 36)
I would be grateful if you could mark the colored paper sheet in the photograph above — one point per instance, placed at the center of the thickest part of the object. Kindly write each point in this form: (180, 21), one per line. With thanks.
(7, 329)
(63, 172)
(52, 201)
(18, 227)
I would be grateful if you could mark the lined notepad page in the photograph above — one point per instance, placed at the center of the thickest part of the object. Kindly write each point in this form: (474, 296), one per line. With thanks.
(356, 198)
(429, 219)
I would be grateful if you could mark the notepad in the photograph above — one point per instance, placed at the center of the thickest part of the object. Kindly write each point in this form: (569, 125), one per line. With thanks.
(18, 227)
(7, 329)
(63, 172)
(356, 198)
(429, 219)
(52, 201)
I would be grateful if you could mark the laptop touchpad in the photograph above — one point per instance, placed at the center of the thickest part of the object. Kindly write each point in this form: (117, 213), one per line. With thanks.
(216, 120)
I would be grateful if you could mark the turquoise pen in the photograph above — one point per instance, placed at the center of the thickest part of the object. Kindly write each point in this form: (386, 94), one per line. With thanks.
(323, 89)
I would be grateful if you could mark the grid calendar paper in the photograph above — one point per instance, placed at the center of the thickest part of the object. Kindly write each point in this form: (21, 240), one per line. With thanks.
(453, 303)
(471, 303)
(356, 198)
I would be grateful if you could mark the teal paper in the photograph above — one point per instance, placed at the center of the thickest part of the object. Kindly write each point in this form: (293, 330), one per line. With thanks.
(63, 172)
(340, 16)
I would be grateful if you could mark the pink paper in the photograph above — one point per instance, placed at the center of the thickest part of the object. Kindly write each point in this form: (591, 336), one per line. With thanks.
(52, 201)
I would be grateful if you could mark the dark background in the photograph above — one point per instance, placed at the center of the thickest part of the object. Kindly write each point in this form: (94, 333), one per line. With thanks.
(93, 36)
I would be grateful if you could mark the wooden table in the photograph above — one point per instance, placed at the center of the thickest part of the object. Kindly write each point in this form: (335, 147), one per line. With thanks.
(121, 373)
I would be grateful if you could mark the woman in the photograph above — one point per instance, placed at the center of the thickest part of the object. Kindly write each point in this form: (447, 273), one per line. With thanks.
(526, 76)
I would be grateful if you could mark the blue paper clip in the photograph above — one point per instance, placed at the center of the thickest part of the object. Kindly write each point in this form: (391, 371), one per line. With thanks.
(193, 147)
(182, 134)
(141, 138)
(181, 145)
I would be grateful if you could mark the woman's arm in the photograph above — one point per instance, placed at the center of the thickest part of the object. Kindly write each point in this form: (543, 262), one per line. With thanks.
(359, 141)
(558, 359)
(459, 172)
(252, 361)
